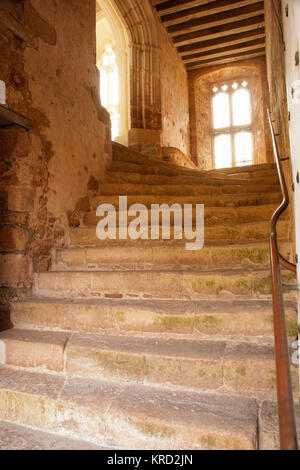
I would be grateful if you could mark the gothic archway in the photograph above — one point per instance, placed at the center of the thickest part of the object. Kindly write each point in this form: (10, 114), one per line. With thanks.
(119, 36)
(134, 24)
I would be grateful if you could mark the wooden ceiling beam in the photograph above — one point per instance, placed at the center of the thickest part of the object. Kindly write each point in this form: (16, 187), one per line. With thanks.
(218, 6)
(226, 59)
(221, 42)
(234, 49)
(197, 24)
(248, 24)
(170, 6)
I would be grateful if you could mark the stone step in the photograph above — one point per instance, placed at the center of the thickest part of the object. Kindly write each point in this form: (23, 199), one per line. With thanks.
(15, 437)
(134, 256)
(118, 177)
(268, 425)
(131, 416)
(182, 189)
(234, 283)
(212, 215)
(122, 153)
(168, 169)
(251, 169)
(244, 320)
(235, 367)
(227, 200)
(222, 234)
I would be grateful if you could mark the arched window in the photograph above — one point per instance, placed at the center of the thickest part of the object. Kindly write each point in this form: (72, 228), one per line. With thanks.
(232, 124)
(109, 87)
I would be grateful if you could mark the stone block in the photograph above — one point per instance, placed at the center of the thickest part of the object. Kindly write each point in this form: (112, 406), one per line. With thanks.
(15, 270)
(13, 239)
(20, 199)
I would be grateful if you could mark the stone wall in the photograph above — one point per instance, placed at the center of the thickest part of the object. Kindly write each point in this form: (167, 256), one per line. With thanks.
(254, 71)
(158, 82)
(275, 48)
(174, 97)
(47, 60)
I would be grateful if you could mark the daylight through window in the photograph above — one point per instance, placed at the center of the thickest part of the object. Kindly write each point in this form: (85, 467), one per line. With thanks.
(232, 124)
(109, 87)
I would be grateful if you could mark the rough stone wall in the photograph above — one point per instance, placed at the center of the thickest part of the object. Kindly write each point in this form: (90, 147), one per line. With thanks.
(47, 60)
(277, 88)
(201, 141)
(276, 74)
(174, 97)
(201, 113)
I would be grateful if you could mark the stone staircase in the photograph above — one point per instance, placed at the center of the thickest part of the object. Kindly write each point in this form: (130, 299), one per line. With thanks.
(145, 345)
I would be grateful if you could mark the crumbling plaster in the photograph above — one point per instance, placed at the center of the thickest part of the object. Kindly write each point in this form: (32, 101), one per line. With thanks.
(48, 62)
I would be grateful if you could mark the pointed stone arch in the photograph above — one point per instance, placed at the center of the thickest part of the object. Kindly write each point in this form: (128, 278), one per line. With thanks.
(139, 27)
(122, 39)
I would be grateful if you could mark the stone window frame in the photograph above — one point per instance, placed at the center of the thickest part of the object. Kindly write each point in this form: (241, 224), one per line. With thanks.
(109, 69)
(232, 130)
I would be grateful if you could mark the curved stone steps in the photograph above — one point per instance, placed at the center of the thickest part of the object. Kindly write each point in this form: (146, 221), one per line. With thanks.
(131, 416)
(127, 177)
(237, 283)
(182, 189)
(243, 320)
(223, 234)
(165, 256)
(212, 215)
(226, 367)
(227, 200)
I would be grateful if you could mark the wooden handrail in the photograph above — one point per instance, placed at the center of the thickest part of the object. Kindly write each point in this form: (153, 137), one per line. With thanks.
(286, 411)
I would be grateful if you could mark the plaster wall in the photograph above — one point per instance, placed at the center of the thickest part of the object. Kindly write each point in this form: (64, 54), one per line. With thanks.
(291, 26)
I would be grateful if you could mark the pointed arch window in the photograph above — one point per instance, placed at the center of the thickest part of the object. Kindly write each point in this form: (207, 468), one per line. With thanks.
(110, 86)
(232, 124)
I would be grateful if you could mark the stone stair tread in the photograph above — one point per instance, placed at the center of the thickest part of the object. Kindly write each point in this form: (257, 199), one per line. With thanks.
(227, 200)
(175, 306)
(249, 320)
(157, 283)
(168, 168)
(197, 179)
(269, 423)
(123, 153)
(224, 233)
(17, 437)
(189, 363)
(168, 347)
(122, 188)
(134, 415)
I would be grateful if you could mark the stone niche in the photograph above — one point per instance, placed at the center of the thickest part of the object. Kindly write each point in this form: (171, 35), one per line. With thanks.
(201, 111)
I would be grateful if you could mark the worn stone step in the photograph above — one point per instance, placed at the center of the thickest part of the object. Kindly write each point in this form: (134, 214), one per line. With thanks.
(245, 169)
(212, 215)
(20, 438)
(132, 256)
(118, 177)
(227, 200)
(122, 153)
(240, 368)
(250, 320)
(167, 169)
(182, 189)
(238, 283)
(222, 234)
(132, 416)
(268, 425)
